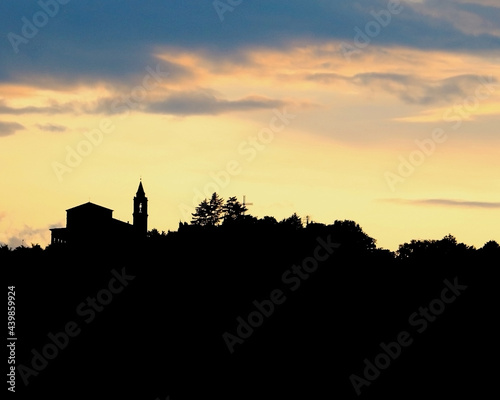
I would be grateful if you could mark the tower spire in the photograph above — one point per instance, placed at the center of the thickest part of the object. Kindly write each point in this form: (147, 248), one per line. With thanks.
(140, 190)
(141, 211)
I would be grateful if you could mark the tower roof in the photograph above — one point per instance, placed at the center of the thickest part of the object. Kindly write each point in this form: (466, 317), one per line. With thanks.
(140, 190)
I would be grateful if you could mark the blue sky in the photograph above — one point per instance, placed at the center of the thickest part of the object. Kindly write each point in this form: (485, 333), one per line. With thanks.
(113, 39)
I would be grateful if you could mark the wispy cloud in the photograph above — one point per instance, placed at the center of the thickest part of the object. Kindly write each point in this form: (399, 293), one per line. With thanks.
(9, 128)
(414, 90)
(182, 103)
(207, 102)
(54, 108)
(51, 127)
(445, 202)
(28, 235)
(411, 89)
(473, 17)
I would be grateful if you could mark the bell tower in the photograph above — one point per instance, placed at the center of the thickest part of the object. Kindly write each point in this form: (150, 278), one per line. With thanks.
(140, 212)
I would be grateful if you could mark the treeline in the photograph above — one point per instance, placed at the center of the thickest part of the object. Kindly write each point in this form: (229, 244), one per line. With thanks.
(214, 215)
(218, 221)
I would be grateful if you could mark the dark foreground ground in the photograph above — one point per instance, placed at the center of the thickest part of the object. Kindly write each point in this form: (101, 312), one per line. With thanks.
(173, 325)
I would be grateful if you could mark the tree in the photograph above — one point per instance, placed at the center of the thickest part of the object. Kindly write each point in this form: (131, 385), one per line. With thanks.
(445, 249)
(208, 213)
(216, 204)
(293, 221)
(350, 235)
(155, 234)
(268, 221)
(233, 210)
(201, 214)
(490, 253)
(414, 250)
(491, 246)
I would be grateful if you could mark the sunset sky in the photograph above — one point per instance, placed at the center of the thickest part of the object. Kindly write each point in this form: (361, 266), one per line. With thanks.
(385, 113)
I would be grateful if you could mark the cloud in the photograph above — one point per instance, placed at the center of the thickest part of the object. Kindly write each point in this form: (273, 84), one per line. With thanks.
(182, 103)
(102, 105)
(53, 108)
(326, 77)
(446, 202)
(28, 235)
(51, 127)
(470, 17)
(412, 89)
(116, 39)
(206, 102)
(9, 128)
(484, 3)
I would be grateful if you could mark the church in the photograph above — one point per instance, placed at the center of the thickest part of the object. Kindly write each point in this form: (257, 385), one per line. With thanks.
(91, 224)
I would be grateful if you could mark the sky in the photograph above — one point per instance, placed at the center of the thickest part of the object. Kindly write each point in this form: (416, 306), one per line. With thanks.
(381, 112)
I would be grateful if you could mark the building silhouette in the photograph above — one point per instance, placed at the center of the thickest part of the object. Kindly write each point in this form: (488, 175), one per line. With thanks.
(140, 212)
(91, 224)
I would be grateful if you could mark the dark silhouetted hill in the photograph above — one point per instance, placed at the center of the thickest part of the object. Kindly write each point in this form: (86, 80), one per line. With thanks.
(165, 332)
